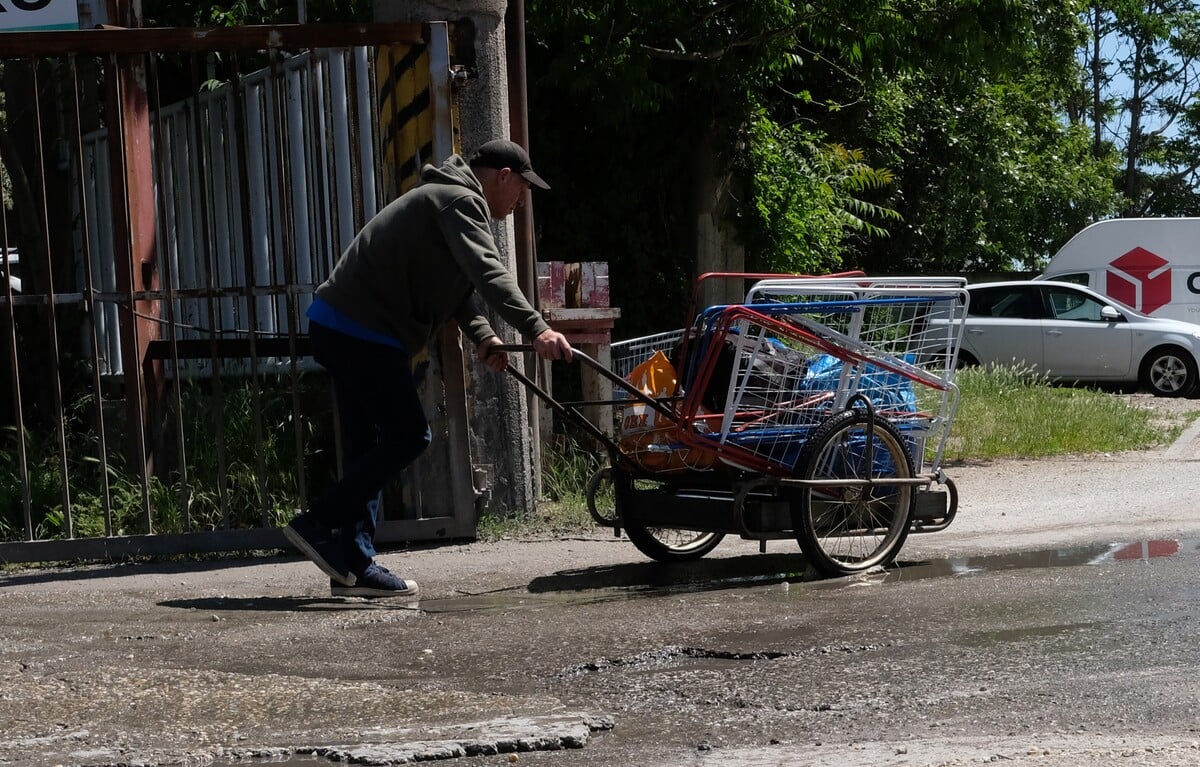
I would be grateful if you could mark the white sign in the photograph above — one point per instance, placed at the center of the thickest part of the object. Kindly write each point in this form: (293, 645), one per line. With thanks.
(38, 15)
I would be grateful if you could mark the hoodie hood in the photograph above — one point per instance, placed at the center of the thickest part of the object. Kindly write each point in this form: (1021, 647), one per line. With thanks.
(454, 172)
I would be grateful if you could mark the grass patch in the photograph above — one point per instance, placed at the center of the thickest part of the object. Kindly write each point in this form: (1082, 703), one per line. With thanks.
(256, 482)
(566, 468)
(1007, 412)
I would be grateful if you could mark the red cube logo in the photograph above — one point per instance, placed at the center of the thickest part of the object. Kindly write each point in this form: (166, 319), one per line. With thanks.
(1140, 279)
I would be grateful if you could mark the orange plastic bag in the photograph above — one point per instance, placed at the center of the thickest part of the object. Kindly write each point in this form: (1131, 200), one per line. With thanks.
(647, 436)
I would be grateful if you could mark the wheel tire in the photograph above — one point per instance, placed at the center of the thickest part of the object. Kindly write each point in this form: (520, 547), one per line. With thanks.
(847, 529)
(966, 360)
(671, 545)
(1168, 371)
(599, 507)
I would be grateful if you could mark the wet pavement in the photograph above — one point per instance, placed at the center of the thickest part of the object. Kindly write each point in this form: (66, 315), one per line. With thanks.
(1056, 623)
(736, 658)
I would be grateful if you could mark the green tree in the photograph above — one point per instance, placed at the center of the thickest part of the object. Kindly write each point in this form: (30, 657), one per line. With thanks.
(653, 116)
(805, 199)
(963, 103)
(1143, 65)
(991, 179)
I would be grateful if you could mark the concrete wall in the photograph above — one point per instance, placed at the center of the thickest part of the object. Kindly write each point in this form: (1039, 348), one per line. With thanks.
(501, 436)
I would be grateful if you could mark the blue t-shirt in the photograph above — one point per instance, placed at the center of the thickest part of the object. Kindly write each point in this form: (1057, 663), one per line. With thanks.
(323, 312)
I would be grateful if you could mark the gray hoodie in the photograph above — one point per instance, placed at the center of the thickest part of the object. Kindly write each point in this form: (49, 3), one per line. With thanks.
(416, 264)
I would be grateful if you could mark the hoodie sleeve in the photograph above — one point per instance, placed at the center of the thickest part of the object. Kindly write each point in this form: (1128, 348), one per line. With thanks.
(464, 223)
(469, 317)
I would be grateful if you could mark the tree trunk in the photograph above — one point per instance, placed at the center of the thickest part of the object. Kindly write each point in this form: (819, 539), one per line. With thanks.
(717, 247)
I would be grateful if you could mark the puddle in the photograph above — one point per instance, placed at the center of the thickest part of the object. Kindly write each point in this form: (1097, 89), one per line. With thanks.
(520, 599)
(666, 583)
(515, 600)
(1021, 634)
(1075, 556)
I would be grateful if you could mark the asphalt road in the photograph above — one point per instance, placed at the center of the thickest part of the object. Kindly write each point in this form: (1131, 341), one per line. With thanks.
(1055, 623)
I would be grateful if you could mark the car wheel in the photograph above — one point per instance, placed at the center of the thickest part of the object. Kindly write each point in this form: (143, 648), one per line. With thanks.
(966, 360)
(1168, 371)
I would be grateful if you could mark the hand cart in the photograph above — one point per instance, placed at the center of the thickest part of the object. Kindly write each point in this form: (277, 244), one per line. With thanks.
(816, 410)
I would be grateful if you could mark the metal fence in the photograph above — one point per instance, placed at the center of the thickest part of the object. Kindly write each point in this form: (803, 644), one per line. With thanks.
(325, 98)
(175, 197)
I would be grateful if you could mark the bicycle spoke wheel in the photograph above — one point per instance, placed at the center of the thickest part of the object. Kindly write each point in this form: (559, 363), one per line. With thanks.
(671, 545)
(846, 528)
(601, 499)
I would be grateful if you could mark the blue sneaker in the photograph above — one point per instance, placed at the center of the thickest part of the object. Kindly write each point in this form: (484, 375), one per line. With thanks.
(317, 543)
(375, 581)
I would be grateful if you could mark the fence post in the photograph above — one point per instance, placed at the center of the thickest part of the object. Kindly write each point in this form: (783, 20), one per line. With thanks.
(132, 180)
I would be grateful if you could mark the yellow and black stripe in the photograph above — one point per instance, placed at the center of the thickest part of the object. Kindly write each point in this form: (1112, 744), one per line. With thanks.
(405, 116)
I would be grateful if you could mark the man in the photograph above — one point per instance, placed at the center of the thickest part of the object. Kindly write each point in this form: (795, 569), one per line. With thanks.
(417, 264)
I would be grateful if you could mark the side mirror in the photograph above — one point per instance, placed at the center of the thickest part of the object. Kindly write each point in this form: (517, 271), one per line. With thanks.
(1110, 314)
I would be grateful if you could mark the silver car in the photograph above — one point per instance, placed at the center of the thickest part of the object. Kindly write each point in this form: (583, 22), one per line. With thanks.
(1071, 333)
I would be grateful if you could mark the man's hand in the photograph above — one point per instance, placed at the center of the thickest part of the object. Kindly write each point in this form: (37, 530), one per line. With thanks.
(552, 345)
(496, 361)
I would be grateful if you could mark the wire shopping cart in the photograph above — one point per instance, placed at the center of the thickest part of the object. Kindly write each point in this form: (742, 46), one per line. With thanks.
(818, 410)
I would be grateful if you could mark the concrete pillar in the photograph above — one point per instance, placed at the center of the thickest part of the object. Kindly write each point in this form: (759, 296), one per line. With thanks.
(502, 443)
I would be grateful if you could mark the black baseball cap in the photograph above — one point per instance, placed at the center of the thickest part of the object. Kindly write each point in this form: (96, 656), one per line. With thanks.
(501, 153)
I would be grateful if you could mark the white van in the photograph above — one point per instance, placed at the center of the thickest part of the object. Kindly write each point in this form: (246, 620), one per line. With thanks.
(1151, 264)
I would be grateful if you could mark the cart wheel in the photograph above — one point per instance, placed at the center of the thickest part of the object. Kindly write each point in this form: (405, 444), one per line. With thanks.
(664, 544)
(845, 529)
(601, 499)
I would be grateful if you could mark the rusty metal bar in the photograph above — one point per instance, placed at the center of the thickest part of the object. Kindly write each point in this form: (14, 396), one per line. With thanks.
(322, 232)
(372, 69)
(201, 175)
(388, 138)
(230, 348)
(354, 139)
(124, 255)
(109, 40)
(288, 254)
(162, 294)
(241, 131)
(215, 359)
(328, 186)
(52, 313)
(328, 179)
(124, 546)
(165, 262)
(315, 188)
(92, 310)
(219, 159)
(284, 249)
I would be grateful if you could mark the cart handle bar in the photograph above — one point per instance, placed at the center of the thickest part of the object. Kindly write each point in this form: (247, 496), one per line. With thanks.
(612, 377)
(572, 414)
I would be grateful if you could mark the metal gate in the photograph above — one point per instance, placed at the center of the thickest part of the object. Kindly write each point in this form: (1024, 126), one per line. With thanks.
(175, 197)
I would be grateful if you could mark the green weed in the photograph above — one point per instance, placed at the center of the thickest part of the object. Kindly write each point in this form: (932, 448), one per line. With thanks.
(566, 468)
(233, 466)
(1007, 412)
